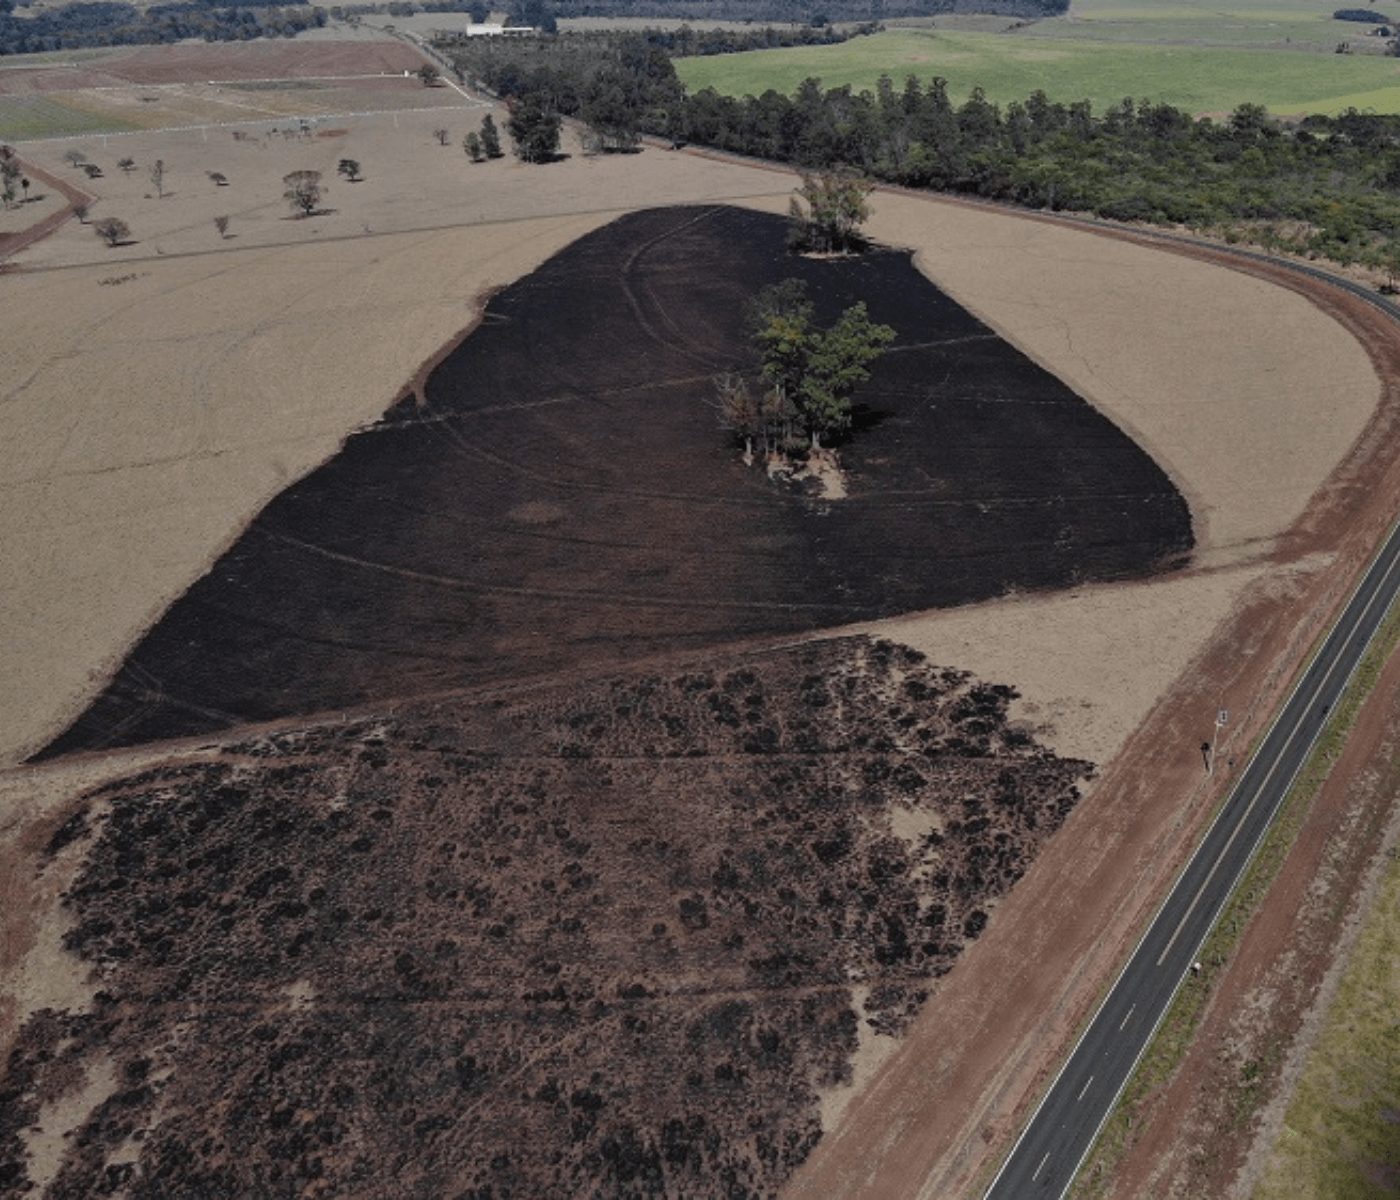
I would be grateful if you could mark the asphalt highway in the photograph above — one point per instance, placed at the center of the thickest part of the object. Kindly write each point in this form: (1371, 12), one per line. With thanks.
(1045, 1159)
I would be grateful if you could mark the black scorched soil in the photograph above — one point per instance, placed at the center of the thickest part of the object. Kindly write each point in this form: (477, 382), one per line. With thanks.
(566, 497)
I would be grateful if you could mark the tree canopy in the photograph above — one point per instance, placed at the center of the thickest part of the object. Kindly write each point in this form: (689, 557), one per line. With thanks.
(534, 128)
(814, 370)
(303, 191)
(835, 209)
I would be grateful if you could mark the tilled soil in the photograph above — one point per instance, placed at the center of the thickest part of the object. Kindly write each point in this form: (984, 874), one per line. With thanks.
(560, 495)
(600, 939)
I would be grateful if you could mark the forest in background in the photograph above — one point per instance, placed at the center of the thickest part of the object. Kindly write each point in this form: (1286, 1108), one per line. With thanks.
(1328, 187)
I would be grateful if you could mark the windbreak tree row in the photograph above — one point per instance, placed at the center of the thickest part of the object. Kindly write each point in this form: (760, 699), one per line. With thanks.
(1327, 186)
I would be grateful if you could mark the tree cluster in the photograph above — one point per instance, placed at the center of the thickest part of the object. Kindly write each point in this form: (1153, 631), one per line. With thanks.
(806, 376)
(1327, 187)
(686, 42)
(827, 213)
(533, 125)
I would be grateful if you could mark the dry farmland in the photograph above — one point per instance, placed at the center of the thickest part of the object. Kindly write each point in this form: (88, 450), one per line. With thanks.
(544, 769)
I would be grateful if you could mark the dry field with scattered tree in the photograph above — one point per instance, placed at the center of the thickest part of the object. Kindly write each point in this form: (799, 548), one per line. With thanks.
(162, 393)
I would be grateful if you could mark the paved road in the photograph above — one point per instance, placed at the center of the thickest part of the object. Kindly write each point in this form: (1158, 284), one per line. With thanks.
(1045, 1159)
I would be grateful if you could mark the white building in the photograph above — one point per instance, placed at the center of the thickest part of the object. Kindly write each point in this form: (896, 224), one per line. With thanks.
(493, 30)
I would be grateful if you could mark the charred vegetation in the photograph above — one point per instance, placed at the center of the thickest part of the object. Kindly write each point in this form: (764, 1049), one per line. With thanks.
(602, 939)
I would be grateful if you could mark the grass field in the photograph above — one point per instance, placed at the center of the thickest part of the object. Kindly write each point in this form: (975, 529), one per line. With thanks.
(1271, 24)
(23, 118)
(1009, 67)
(1341, 1137)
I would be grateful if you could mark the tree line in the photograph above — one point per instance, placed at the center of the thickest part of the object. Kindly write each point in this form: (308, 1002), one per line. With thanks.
(102, 23)
(799, 12)
(1328, 186)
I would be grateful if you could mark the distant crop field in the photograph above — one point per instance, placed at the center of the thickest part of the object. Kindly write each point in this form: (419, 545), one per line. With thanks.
(174, 106)
(1268, 24)
(1009, 67)
(24, 118)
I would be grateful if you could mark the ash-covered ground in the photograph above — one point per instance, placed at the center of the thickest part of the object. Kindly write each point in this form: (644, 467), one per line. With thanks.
(563, 496)
(610, 938)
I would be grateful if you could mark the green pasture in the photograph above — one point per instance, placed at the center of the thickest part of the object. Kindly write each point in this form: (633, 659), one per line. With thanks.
(24, 118)
(1341, 1136)
(1270, 24)
(1009, 67)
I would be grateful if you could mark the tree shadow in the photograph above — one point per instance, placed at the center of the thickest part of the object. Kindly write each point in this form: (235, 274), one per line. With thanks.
(864, 419)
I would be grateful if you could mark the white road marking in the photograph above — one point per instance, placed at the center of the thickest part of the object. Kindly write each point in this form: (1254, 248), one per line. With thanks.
(1084, 1089)
(1259, 791)
(1039, 1168)
(1128, 1017)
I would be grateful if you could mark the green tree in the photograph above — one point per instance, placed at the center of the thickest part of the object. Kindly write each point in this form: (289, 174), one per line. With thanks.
(838, 363)
(430, 75)
(814, 370)
(534, 128)
(612, 116)
(472, 145)
(1390, 262)
(490, 138)
(350, 168)
(835, 209)
(9, 176)
(780, 324)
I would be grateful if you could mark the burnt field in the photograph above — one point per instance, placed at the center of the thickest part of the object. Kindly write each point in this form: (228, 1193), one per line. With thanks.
(561, 495)
(600, 940)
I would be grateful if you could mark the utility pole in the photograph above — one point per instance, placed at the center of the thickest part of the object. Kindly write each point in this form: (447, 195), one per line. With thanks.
(1222, 718)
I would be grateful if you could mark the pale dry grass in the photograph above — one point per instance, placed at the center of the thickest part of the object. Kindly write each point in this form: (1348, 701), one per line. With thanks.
(146, 422)
(1244, 393)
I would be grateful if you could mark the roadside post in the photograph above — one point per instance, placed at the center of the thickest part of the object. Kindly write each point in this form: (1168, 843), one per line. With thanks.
(1222, 718)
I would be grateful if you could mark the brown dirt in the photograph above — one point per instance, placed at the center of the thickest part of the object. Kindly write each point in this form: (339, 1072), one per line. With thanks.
(941, 1111)
(1194, 1135)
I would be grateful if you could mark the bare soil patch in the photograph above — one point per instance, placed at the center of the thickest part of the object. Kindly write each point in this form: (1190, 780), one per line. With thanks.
(396, 569)
(615, 937)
